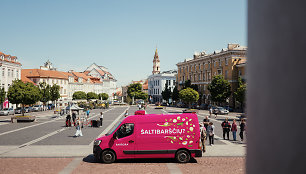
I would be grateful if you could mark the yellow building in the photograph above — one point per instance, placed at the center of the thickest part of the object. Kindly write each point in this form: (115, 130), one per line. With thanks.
(229, 62)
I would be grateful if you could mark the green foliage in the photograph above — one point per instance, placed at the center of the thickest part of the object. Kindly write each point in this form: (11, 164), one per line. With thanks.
(175, 94)
(239, 94)
(92, 95)
(2, 95)
(45, 92)
(54, 92)
(134, 90)
(23, 93)
(79, 95)
(219, 88)
(104, 96)
(166, 93)
(189, 95)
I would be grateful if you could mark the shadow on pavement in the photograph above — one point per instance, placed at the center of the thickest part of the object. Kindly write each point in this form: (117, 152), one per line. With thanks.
(91, 159)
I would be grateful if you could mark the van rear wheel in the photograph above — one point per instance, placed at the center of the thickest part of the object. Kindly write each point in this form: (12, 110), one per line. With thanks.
(182, 156)
(108, 156)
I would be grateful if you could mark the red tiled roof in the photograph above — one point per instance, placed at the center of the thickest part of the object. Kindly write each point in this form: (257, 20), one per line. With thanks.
(44, 73)
(25, 79)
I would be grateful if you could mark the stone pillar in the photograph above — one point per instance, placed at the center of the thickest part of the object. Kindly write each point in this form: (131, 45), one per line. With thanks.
(276, 99)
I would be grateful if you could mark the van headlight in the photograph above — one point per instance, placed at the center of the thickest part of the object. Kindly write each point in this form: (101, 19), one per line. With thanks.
(97, 142)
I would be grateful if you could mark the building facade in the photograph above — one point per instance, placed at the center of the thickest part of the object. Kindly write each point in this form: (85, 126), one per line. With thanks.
(10, 70)
(229, 62)
(157, 83)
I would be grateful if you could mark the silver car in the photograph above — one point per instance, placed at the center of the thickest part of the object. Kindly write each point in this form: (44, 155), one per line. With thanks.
(37, 108)
(7, 111)
(220, 110)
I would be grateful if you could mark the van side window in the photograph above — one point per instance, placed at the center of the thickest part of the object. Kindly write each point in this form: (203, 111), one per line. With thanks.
(125, 130)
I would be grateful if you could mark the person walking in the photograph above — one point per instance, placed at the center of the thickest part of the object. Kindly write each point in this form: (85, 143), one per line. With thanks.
(211, 132)
(210, 112)
(234, 129)
(226, 126)
(73, 118)
(78, 128)
(206, 123)
(68, 120)
(126, 113)
(242, 128)
(87, 113)
(203, 136)
(101, 118)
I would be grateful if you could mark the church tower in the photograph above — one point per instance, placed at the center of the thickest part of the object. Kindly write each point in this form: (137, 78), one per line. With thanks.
(156, 64)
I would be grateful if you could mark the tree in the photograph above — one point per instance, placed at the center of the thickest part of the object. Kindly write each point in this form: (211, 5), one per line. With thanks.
(104, 96)
(79, 95)
(92, 95)
(134, 90)
(175, 94)
(45, 92)
(23, 93)
(189, 95)
(54, 92)
(220, 89)
(239, 94)
(166, 93)
(2, 95)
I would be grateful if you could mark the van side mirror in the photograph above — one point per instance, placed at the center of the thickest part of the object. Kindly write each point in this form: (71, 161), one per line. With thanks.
(115, 135)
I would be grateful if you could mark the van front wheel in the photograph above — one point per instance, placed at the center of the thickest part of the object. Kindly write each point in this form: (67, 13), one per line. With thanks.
(108, 156)
(182, 156)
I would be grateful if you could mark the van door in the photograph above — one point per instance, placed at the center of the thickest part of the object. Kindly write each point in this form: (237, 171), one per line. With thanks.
(125, 141)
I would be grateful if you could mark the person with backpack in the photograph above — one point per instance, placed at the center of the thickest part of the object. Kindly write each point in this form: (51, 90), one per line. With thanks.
(234, 129)
(211, 132)
(203, 136)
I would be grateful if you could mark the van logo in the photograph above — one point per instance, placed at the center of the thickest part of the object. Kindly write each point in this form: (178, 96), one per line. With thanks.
(122, 144)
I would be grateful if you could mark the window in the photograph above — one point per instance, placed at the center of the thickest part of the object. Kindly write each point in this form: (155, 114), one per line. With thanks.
(214, 63)
(219, 72)
(173, 82)
(125, 130)
(17, 74)
(3, 71)
(204, 76)
(220, 62)
(239, 73)
(8, 72)
(199, 78)
(226, 61)
(12, 73)
(226, 74)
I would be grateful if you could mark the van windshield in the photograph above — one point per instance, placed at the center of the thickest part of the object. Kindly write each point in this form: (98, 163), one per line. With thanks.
(113, 129)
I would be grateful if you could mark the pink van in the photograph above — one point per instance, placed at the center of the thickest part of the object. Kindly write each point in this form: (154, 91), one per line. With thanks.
(151, 136)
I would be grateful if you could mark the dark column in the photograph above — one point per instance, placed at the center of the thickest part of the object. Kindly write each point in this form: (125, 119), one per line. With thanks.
(276, 125)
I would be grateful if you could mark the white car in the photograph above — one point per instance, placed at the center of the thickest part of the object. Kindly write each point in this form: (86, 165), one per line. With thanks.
(220, 110)
(37, 108)
(7, 111)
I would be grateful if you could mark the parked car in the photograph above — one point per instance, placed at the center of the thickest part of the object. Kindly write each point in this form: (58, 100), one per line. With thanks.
(203, 106)
(28, 109)
(7, 111)
(229, 108)
(181, 105)
(220, 110)
(37, 108)
(18, 110)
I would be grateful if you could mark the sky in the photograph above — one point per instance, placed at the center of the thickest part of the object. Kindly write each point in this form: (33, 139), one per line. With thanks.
(121, 35)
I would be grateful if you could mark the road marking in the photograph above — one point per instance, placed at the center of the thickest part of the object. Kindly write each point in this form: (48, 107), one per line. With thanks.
(71, 166)
(15, 130)
(110, 126)
(173, 168)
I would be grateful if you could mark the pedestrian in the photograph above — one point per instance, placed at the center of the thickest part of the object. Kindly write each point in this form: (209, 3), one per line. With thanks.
(206, 123)
(73, 117)
(210, 112)
(68, 120)
(78, 128)
(234, 129)
(87, 113)
(242, 128)
(126, 113)
(211, 132)
(226, 126)
(101, 118)
(203, 136)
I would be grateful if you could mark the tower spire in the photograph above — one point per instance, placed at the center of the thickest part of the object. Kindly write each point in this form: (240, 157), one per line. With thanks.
(156, 63)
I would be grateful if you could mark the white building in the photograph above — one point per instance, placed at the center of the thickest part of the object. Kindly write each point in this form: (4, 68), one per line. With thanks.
(95, 79)
(157, 81)
(10, 70)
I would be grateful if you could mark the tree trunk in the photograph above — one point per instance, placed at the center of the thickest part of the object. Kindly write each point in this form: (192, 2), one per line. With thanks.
(22, 110)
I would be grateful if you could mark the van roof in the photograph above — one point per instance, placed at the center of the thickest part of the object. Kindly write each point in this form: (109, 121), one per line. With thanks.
(157, 117)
